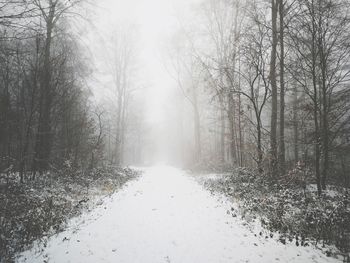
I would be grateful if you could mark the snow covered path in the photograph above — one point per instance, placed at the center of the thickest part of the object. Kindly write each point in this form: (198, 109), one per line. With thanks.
(165, 216)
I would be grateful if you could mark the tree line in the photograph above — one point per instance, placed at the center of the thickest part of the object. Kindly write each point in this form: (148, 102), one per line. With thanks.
(49, 116)
(274, 76)
(46, 117)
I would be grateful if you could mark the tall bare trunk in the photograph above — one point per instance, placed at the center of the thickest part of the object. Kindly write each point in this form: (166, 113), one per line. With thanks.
(274, 114)
(197, 131)
(324, 103)
(122, 137)
(282, 150)
(317, 143)
(222, 130)
(295, 124)
(240, 113)
(231, 101)
(315, 101)
(44, 136)
(118, 129)
(231, 120)
(259, 141)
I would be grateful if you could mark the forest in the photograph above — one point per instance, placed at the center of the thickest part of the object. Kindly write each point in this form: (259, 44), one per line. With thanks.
(256, 92)
(275, 81)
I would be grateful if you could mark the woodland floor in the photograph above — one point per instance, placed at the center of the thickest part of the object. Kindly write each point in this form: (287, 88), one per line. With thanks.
(38, 209)
(167, 216)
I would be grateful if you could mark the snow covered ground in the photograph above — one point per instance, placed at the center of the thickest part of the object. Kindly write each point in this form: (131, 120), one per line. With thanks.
(165, 216)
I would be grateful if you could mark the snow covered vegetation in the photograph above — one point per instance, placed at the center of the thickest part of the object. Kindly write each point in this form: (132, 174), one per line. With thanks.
(41, 208)
(289, 209)
(257, 91)
(165, 216)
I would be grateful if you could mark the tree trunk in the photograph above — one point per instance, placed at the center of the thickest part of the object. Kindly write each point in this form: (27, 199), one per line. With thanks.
(317, 149)
(123, 129)
(260, 152)
(273, 134)
(197, 132)
(231, 102)
(325, 140)
(295, 124)
(282, 150)
(240, 113)
(232, 127)
(222, 130)
(315, 102)
(44, 137)
(324, 102)
(118, 128)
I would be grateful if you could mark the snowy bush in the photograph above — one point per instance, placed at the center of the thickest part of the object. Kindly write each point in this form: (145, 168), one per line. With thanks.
(291, 206)
(40, 208)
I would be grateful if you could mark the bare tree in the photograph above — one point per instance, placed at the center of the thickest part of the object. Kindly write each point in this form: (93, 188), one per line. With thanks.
(51, 12)
(273, 79)
(188, 74)
(122, 69)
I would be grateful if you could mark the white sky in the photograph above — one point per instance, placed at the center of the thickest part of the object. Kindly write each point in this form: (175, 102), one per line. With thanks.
(156, 21)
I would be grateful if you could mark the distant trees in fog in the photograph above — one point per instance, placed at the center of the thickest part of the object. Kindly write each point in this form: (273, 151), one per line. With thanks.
(46, 118)
(122, 63)
(279, 72)
(267, 83)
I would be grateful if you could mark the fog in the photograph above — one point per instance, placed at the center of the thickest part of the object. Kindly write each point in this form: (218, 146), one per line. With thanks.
(137, 116)
(189, 83)
(149, 28)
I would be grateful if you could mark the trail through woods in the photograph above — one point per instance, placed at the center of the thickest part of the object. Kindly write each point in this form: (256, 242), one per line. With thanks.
(165, 216)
